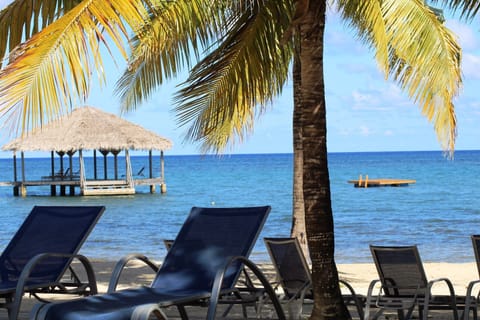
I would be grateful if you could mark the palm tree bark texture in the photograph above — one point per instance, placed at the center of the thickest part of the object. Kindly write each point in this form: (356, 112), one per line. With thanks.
(328, 303)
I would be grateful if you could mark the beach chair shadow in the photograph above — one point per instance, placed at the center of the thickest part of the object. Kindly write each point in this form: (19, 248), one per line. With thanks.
(403, 285)
(41, 252)
(202, 266)
(294, 277)
(245, 283)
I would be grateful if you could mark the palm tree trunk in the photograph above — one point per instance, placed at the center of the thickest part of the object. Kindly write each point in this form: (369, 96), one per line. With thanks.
(328, 302)
(298, 217)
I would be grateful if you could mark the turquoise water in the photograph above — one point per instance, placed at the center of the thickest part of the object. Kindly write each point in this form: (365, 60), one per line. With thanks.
(438, 213)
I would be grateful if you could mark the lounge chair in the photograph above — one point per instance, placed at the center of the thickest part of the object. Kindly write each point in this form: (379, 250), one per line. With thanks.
(294, 276)
(42, 250)
(244, 283)
(471, 302)
(404, 285)
(203, 264)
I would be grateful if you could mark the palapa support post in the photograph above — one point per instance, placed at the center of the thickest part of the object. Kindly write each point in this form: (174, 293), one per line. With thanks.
(15, 186)
(360, 181)
(163, 186)
(70, 159)
(23, 190)
(366, 181)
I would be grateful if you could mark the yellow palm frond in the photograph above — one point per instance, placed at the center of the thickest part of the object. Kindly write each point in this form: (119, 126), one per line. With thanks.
(176, 30)
(23, 18)
(425, 60)
(423, 55)
(52, 69)
(244, 73)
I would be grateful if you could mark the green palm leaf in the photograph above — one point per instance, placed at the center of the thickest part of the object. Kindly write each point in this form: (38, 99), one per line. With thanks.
(237, 80)
(176, 30)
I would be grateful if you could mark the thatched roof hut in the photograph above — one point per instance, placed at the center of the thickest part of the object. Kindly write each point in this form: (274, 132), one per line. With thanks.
(88, 128)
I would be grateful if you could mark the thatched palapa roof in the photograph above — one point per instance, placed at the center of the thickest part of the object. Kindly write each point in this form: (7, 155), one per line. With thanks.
(88, 128)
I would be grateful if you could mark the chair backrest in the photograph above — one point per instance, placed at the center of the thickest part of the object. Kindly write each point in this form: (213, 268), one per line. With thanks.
(206, 241)
(290, 264)
(400, 269)
(47, 229)
(476, 250)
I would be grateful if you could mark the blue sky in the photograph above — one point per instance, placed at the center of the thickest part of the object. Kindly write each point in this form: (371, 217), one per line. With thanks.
(364, 112)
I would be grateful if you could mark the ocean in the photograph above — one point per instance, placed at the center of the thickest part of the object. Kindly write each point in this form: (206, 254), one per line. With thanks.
(438, 213)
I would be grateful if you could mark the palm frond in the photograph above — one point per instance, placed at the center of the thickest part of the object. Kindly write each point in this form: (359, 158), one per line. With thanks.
(221, 97)
(425, 61)
(23, 18)
(176, 30)
(423, 55)
(367, 20)
(468, 8)
(53, 68)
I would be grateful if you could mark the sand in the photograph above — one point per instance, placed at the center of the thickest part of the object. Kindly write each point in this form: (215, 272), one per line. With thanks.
(358, 275)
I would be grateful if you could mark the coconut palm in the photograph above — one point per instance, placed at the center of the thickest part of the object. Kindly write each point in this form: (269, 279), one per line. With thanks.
(249, 47)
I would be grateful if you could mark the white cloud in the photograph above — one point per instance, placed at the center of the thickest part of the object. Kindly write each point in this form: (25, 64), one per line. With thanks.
(388, 133)
(471, 65)
(365, 131)
(380, 96)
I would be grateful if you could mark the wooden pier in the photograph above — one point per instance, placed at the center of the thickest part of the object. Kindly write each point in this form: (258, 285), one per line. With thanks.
(380, 182)
(90, 188)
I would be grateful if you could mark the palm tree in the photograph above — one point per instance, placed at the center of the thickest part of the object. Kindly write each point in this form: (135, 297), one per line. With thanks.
(252, 43)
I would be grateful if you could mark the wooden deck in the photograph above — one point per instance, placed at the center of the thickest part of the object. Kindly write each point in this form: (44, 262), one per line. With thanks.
(92, 187)
(380, 182)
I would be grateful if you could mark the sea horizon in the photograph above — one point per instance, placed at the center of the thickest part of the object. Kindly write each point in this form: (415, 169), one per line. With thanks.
(438, 213)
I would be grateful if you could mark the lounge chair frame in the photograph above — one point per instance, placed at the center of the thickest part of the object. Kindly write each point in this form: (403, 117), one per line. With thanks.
(166, 290)
(403, 285)
(471, 301)
(303, 288)
(23, 273)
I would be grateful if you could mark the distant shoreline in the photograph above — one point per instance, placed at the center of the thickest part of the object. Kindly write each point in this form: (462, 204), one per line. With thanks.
(31, 155)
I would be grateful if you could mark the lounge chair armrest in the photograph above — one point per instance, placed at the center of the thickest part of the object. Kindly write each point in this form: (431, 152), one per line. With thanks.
(359, 303)
(371, 287)
(373, 284)
(447, 281)
(470, 300)
(453, 300)
(472, 286)
(217, 287)
(30, 266)
(122, 263)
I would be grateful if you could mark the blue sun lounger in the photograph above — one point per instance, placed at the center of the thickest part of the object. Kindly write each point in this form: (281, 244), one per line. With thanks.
(42, 250)
(202, 266)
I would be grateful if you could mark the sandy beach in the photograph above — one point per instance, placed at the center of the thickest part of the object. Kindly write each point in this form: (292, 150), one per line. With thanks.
(358, 275)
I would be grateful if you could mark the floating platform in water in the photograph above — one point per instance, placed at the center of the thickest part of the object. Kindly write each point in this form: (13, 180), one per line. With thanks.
(366, 183)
